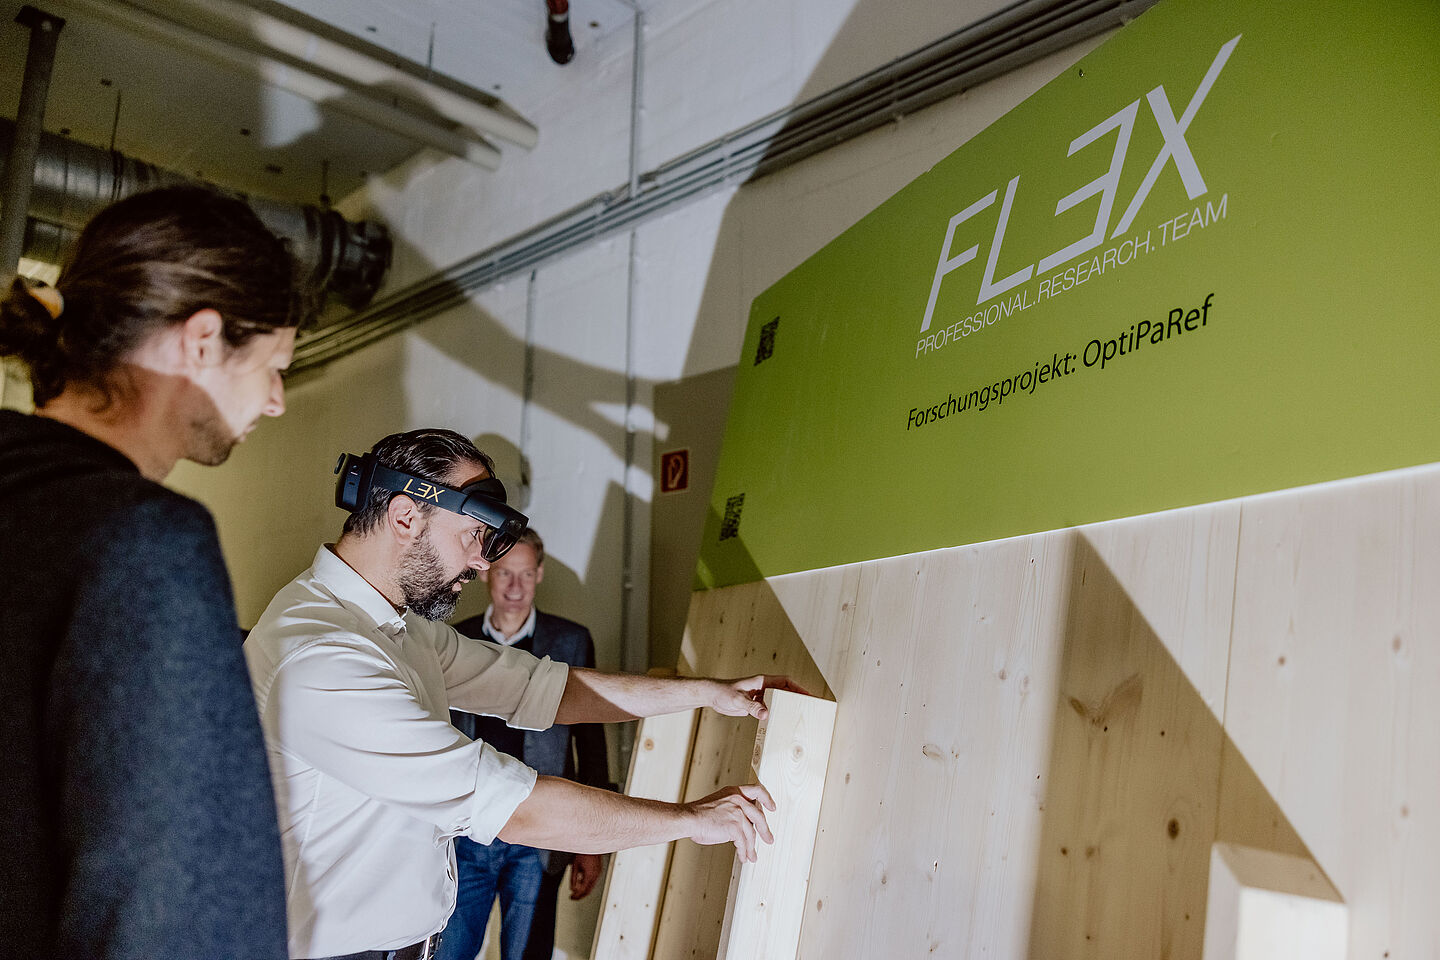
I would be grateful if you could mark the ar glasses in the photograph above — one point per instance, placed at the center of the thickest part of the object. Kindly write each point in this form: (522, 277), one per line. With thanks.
(483, 500)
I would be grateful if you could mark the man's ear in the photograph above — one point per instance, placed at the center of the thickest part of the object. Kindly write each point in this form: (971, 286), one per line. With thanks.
(202, 338)
(539, 572)
(403, 518)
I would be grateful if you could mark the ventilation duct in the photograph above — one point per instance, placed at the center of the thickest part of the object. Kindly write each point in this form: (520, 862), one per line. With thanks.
(74, 180)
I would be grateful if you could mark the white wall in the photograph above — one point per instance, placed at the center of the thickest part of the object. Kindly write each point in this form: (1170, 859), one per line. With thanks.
(710, 66)
(697, 270)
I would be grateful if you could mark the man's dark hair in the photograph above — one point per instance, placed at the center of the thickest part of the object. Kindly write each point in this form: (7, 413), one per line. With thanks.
(429, 454)
(144, 263)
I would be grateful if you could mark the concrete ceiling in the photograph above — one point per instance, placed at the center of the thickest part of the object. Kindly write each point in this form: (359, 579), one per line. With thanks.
(177, 110)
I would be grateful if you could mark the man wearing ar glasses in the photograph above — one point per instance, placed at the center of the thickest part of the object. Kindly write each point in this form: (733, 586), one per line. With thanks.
(354, 672)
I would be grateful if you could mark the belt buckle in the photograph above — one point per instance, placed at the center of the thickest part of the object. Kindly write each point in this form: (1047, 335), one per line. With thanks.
(429, 947)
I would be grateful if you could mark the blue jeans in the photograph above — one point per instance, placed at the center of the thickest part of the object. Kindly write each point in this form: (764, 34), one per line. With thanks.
(510, 870)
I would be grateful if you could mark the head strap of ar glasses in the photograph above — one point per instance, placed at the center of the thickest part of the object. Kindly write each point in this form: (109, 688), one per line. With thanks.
(483, 500)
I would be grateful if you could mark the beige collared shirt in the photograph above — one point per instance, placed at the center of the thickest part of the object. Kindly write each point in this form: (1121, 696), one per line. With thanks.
(371, 780)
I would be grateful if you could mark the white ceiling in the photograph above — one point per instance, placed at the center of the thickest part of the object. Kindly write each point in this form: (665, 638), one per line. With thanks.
(184, 113)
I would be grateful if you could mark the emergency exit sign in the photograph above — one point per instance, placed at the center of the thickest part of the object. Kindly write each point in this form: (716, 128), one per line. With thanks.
(675, 471)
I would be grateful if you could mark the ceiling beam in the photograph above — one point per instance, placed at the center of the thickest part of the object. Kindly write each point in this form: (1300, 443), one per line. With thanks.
(325, 91)
(245, 25)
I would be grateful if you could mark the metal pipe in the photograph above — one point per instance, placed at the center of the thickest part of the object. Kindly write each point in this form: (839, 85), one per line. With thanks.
(232, 21)
(634, 651)
(634, 654)
(72, 181)
(459, 142)
(527, 387)
(1017, 35)
(636, 65)
(20, 160)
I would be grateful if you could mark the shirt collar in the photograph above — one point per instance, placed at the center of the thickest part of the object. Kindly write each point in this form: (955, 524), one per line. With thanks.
(354, 590)
(526, 629)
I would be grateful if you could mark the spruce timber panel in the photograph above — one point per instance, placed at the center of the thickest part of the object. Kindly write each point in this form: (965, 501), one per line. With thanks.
(731, 632)
(1134, 766)
(1285, 644)
(635, 882)
(1269, 906)
(932, 801)
(766, 901)
(937, 799)
(823, 601)
(1178, 570)
(1334, 692)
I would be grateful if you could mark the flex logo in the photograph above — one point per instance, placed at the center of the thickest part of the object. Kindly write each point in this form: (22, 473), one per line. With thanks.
(422, 490)
(1174, 150)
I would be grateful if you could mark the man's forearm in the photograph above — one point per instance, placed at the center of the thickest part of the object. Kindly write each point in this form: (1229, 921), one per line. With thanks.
(595, 697)
(560, 814)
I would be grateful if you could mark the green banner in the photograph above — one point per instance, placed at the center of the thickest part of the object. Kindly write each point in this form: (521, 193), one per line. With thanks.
(1203, 263)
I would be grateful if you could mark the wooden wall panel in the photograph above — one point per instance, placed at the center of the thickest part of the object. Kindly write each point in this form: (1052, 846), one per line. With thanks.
(732, 632)
(1134, 767)
(1178, 572)
(1268, 906)
(824, 601)
(766, 901)
(1335, 691)
(635, 882)
(929, 819)
(999, 784)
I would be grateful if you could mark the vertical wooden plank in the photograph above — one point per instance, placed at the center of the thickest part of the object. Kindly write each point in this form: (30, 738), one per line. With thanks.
(1177, 570)
(934, 798)
(952, 817)
(693, 909)
(1271, 906)
(1334, 692)
(766, 901)
(732, 632)
(821, 605)
(635, 882)
(1134, 767)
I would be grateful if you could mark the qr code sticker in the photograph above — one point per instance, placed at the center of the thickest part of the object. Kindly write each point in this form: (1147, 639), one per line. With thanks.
(730, 526)
(766, 347)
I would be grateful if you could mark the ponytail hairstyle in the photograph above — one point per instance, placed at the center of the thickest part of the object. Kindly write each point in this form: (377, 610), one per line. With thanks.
(142, 264)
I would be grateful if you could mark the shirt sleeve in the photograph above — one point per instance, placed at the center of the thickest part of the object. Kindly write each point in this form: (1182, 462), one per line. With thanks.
(592, 757)
(499, 681)
(347, 711)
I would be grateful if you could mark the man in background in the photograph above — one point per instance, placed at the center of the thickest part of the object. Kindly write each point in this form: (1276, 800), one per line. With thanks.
(527, 880)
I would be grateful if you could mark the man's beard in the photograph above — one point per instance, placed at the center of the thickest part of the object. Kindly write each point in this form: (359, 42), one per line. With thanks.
(427, 591)
(211, 440)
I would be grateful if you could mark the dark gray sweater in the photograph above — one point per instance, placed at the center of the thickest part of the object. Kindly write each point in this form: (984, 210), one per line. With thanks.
(136, 810)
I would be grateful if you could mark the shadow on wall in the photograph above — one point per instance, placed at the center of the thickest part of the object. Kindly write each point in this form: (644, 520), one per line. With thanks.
(774, 224)
(1133, 775)
(563, 591)
(570, 390)
(1142, 780)
(510, 466)
(380, 395)
(693, 412)
(488, 348)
